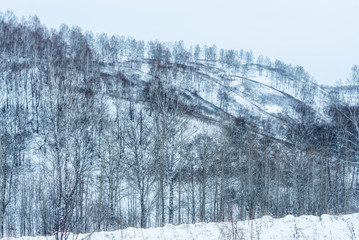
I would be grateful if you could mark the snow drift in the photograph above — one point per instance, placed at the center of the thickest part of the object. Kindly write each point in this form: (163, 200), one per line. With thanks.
(290, 227)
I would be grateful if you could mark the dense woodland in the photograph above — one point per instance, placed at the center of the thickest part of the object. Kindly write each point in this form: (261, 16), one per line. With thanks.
(106, 132)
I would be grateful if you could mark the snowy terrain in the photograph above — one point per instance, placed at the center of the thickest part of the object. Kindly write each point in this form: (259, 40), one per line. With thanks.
(98, 133)
(303, 227)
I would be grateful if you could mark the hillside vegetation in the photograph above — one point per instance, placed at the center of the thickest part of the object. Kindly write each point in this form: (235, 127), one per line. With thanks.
(107, 132)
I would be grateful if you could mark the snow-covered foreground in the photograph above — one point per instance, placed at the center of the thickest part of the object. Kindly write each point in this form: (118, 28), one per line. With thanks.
(303, 227)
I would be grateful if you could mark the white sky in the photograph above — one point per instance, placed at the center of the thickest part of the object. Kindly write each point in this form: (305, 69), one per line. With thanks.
(320, 35)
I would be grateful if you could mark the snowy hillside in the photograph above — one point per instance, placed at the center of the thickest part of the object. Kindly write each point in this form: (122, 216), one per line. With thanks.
(108, 132)
(303, 227)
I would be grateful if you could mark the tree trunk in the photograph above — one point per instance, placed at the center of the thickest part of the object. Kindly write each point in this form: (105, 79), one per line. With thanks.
(193, 195)
(170, 210)
(143, 208)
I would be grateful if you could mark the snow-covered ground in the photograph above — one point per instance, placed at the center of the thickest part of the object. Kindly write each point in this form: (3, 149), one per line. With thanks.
(303, 227)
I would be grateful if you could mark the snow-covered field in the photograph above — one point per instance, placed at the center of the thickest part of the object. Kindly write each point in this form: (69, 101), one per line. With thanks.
(303, 227)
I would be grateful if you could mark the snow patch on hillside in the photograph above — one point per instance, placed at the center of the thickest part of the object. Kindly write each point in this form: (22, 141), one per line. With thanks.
(290, 227)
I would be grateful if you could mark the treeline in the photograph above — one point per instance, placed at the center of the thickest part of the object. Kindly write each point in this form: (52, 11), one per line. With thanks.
(96, 134)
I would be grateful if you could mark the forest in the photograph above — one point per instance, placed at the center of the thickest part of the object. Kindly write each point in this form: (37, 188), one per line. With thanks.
(105, 132)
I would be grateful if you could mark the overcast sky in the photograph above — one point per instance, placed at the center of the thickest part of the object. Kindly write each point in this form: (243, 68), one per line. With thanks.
(320, 35)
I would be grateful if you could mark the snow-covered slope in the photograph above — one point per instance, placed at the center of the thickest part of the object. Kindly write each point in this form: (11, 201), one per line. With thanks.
(303, 227)
(218, 94)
